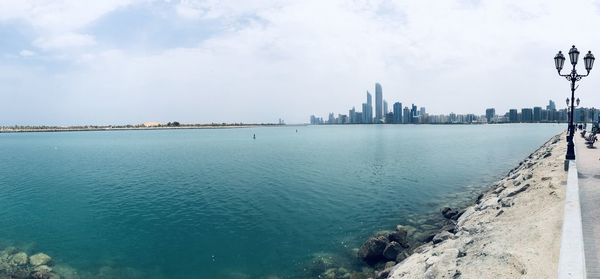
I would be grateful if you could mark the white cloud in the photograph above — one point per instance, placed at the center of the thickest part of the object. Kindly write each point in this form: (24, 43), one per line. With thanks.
(58, 15)
(290, 59)
(26, 53)
(65, 40)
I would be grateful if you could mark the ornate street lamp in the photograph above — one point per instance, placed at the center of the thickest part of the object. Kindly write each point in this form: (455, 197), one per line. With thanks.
(559, 61)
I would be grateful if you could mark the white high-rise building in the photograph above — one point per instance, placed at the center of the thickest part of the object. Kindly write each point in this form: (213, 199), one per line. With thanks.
(378, 103)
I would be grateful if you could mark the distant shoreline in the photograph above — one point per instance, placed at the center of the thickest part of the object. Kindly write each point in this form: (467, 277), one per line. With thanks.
(43, 129)
(57, 129)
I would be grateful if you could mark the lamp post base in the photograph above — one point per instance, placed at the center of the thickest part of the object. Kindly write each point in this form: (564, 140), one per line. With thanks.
(570, 150)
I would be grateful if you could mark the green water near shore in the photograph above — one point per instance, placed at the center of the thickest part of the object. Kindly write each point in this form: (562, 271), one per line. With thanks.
(218, 204)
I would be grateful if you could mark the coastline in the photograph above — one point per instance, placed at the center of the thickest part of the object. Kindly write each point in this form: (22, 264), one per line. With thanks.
(513, 230)
(7, 130)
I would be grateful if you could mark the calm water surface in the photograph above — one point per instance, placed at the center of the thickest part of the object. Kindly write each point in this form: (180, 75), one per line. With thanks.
(217, 204)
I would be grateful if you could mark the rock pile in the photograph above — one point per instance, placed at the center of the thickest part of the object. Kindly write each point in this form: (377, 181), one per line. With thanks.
(482, 238)
(17, 265)
(385, 247)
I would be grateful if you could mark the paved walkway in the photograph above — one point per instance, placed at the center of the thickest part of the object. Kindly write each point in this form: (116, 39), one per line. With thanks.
(588, 167)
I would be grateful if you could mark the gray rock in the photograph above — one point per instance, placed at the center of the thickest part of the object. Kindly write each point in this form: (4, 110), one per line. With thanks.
(507, 202)
(392, 250)
(442, 236)
(547, 154)
(18, 259)
(390, 264)
(489, 202)
(450, 227)
(42, 272)
(384, 273)
(514, 192)
(449, 213)
(479, 198)
(399, 236)
(39, 259)
(402, 256)
(499, 213)
(498, 190)
(372, 249)
(516, 183)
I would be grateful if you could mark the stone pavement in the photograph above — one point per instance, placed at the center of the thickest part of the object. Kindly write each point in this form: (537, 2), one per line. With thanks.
(588, 167)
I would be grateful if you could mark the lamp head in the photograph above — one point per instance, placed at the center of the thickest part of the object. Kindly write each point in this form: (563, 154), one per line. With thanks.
(559, 61)
(573, 55)
(588, 59)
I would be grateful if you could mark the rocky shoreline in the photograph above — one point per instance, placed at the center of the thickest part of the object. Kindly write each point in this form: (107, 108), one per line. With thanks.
(18, 265)
(467, 242)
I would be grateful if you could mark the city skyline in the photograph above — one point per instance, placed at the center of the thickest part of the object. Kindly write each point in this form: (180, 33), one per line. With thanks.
(419, 115)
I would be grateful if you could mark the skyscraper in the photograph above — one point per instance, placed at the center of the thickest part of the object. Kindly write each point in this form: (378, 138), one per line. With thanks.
(490, 114)
(378, 103)
(526, 115)
(385, 107)
(406, 115)
(414, 114)
(537, 114)
(513, 116)
(397, 113)
(352, 116)
(368, 113)
(551, 105)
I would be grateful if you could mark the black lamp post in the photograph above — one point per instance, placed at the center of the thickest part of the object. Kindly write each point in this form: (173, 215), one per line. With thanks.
(569, 109)
(559, 61)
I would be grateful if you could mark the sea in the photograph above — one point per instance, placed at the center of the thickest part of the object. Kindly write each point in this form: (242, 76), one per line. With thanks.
(219, 203)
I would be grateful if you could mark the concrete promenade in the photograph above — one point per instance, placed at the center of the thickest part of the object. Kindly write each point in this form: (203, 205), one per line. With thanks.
(588, 167)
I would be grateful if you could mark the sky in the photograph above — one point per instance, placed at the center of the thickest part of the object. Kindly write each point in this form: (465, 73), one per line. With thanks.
(73, 62)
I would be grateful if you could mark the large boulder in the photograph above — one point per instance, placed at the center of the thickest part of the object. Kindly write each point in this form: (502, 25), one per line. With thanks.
(372, 249)
(39, 259)
(399, 236)
(42, 272)
(450, 227)
(392, 250)
(451, 214)
(18, 259)
(441, 237)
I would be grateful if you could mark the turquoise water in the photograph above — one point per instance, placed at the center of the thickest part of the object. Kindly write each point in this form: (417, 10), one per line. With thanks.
(217, 204)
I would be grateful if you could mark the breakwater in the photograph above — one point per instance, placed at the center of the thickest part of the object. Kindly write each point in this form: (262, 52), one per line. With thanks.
(512, 229)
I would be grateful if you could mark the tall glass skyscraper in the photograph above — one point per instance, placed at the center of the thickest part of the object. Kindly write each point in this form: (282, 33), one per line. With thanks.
(397, 113)
(368, 110)
(378, 102)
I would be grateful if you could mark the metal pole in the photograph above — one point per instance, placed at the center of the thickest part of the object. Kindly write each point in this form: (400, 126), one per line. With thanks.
(570, 144)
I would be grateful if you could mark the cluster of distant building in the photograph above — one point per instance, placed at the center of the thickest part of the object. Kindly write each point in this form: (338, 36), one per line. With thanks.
(398, 115)
(540, 115)
(414, 115)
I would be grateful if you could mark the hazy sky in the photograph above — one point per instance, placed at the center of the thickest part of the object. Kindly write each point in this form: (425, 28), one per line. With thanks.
(128, 61)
